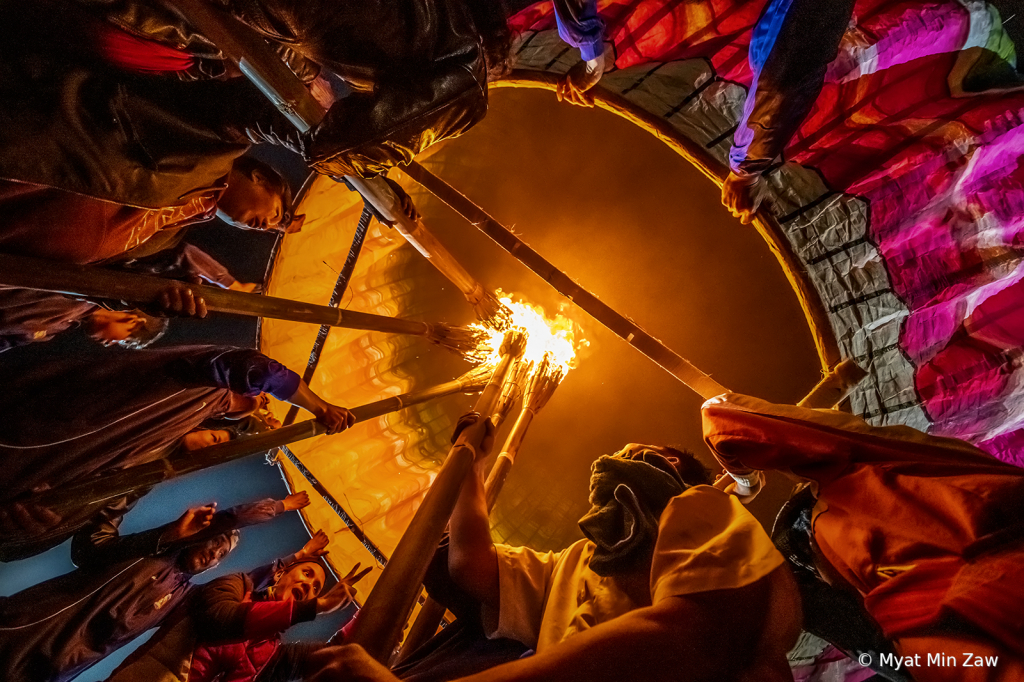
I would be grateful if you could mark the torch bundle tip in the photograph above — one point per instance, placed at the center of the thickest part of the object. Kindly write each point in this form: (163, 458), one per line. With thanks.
(462, 340)
(514, 342)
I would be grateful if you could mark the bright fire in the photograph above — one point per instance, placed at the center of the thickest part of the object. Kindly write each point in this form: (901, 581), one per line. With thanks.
(556, 337)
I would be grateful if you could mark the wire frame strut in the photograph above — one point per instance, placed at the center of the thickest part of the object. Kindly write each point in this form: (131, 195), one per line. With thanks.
(336, 295)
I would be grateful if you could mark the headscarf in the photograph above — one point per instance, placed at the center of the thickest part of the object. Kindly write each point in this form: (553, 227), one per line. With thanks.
(628, 495)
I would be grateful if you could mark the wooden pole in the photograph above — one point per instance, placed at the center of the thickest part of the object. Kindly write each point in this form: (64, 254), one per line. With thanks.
(836, 385)
(422, 629)
(619, 324)
(145, 475)
(378, 194)
(87, 281)
(503, 464)
(379, 624)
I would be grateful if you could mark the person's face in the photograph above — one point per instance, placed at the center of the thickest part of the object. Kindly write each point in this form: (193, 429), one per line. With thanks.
(302, 581)
(250, 203)
(203, 438)
(203, 557)
(109, 327)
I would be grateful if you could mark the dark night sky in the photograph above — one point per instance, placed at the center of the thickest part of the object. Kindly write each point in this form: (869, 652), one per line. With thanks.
(627, 218)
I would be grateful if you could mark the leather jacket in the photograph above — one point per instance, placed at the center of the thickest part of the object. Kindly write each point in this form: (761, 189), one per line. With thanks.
(423, 60)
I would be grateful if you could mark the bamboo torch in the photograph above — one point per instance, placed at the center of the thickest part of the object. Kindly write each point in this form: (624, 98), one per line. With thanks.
(429, 618)
(676, 365)
(91, 282)
(485, 304)
(539, 390)
(511, 391)
(387, 607)
(114, 485)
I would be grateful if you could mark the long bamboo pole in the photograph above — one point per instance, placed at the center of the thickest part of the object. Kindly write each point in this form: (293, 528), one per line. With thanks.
(92, 282)
(377, 193)
(380, 621)
(540, 386)
(145, 475)
(619, 324)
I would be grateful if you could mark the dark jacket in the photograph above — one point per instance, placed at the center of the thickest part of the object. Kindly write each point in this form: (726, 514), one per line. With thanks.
(68, 119)
(124, 586)
(67, 418)
(229, 633)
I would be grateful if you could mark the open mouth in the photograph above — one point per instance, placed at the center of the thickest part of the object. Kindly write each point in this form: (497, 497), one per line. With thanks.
(298, 594)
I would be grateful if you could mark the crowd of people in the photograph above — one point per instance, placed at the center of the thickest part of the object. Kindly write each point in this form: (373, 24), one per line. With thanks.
(122, 127)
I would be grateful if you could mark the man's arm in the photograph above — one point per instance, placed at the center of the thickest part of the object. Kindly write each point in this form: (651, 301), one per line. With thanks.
(248, 373)
(101, 542)
(790, 50)
(472, 559)
(702, 634)
(747, 435)
(704, 637)
(248, 514)
(580, 25)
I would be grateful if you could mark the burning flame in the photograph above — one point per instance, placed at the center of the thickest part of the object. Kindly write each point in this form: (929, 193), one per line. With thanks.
(555, 338)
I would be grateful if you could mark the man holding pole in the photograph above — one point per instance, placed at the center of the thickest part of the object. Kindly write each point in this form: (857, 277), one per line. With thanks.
(674, 578)
(46, 222)
(69, 419)
(124, 585)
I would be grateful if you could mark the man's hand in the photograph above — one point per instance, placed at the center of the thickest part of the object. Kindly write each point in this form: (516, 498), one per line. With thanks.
(190, 523)
(746, 494)
(322, 91)
(346, 663)
(27, 519)
(471, 419)
(343, 593)
(574, 87)
(268, 419)
(178, 300)
(316, 547)
(296, 501)
(335, 418)
(743, 194)
(408, 207)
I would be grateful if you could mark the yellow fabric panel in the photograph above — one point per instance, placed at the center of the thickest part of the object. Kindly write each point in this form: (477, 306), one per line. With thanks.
(378, 470)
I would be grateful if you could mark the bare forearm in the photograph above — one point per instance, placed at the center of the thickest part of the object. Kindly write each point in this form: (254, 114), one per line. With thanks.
(644, 644)
(472, 560)
(307, 400)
